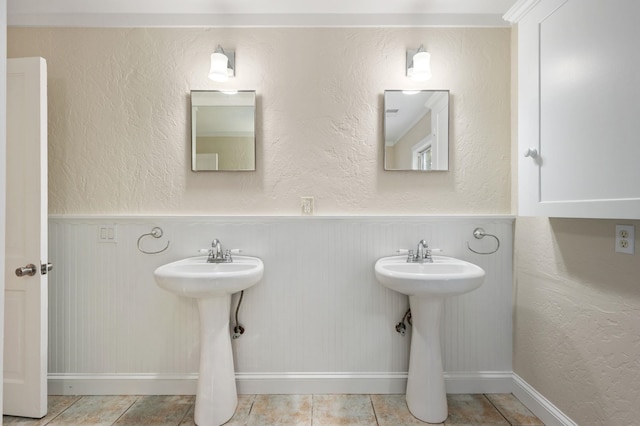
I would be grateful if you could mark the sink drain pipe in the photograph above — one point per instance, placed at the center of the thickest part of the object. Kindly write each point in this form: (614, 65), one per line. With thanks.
(238, 329)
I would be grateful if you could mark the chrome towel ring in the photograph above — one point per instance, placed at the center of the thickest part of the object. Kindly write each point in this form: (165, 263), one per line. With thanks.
(479, 234)
(155, 233)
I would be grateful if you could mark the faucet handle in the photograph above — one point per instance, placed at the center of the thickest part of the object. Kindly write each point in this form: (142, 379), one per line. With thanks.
(229, 252)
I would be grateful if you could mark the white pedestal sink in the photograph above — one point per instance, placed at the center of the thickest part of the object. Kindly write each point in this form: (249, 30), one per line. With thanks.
(427, 285)
(212, 284)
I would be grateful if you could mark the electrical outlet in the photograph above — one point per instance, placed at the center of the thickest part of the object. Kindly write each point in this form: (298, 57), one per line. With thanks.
(625, 239)
(107, 234)
(307, 206)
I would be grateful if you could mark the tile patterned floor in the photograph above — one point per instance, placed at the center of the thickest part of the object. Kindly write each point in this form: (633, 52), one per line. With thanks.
(280, 410)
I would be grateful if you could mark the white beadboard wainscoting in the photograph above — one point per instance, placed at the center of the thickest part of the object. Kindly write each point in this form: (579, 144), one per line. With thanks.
(318, 321)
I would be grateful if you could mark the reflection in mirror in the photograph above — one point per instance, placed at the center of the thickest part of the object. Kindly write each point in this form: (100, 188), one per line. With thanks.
(416, 130)
(223, 131)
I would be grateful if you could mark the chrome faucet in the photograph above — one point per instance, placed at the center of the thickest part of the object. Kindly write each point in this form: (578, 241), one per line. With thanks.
(422, 255)
(215, 253)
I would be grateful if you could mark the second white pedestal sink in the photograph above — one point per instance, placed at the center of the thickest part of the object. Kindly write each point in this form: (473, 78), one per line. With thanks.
(212, 284)
(427, 285)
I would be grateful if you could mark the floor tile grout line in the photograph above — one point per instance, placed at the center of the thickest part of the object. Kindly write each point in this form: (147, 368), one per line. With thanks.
(184, 416)
(373, 407)
(253, 401)
(138, 398)
(497, 409)
(60, 413)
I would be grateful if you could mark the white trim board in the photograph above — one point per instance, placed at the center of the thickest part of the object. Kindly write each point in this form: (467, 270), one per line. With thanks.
(519, 10)
(539, 405)
(242, 218)
(122, 384)
(255, 20)
(273, 383)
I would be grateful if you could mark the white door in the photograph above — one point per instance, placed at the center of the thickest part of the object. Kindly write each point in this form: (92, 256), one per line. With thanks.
(25, 322)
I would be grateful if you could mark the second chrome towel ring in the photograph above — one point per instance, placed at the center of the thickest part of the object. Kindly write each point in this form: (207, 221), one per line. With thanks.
(155, 233)
(479, 234)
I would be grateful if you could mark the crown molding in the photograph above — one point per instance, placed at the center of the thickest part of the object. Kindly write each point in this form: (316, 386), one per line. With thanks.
(519, 10)
(168, 20)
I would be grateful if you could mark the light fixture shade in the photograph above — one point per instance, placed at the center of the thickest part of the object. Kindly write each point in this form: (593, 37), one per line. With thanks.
(222, 64)
(219, 67)
(421, 70)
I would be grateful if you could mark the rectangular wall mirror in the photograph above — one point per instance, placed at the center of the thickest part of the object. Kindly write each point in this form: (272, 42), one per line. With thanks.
(416, 130)
(223, 136)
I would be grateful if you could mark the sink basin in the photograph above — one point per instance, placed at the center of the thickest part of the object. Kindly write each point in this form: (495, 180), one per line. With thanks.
(446, 276)
(427, 285)
(194, 277)
(212, 284)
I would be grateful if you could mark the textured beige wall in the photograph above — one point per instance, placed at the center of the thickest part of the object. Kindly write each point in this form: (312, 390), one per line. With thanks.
(577, 318)
(119, 138)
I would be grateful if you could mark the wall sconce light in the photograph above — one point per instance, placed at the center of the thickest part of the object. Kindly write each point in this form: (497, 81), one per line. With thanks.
(419, 64)
(222, 64)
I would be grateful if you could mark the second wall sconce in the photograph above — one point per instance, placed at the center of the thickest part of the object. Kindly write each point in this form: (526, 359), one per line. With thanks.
(222, 64)
(419, 64)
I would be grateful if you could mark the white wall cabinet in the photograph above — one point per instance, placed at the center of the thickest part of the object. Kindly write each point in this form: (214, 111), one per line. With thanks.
(578, 108)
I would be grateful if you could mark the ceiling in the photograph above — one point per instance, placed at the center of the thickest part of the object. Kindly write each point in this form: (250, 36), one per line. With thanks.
(122, 13)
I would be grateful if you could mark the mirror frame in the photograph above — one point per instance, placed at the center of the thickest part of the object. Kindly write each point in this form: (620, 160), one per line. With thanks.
(443, 156)
(228, 102)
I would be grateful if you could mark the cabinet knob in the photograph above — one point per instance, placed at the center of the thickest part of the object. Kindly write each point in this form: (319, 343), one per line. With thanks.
(531, 152)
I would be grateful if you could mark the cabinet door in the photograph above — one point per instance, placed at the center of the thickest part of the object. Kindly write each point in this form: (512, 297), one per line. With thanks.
(579, 91)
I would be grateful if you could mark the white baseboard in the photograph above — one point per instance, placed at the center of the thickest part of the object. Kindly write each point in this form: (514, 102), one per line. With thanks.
(479, 382)
(273, 383)
(321, 383)
(122, 384)
(538, 404)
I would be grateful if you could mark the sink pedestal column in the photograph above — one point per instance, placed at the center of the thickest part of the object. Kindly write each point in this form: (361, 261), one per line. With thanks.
(426, 395)
(216, 397)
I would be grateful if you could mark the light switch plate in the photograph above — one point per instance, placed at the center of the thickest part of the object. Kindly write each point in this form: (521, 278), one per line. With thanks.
(107, 234)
